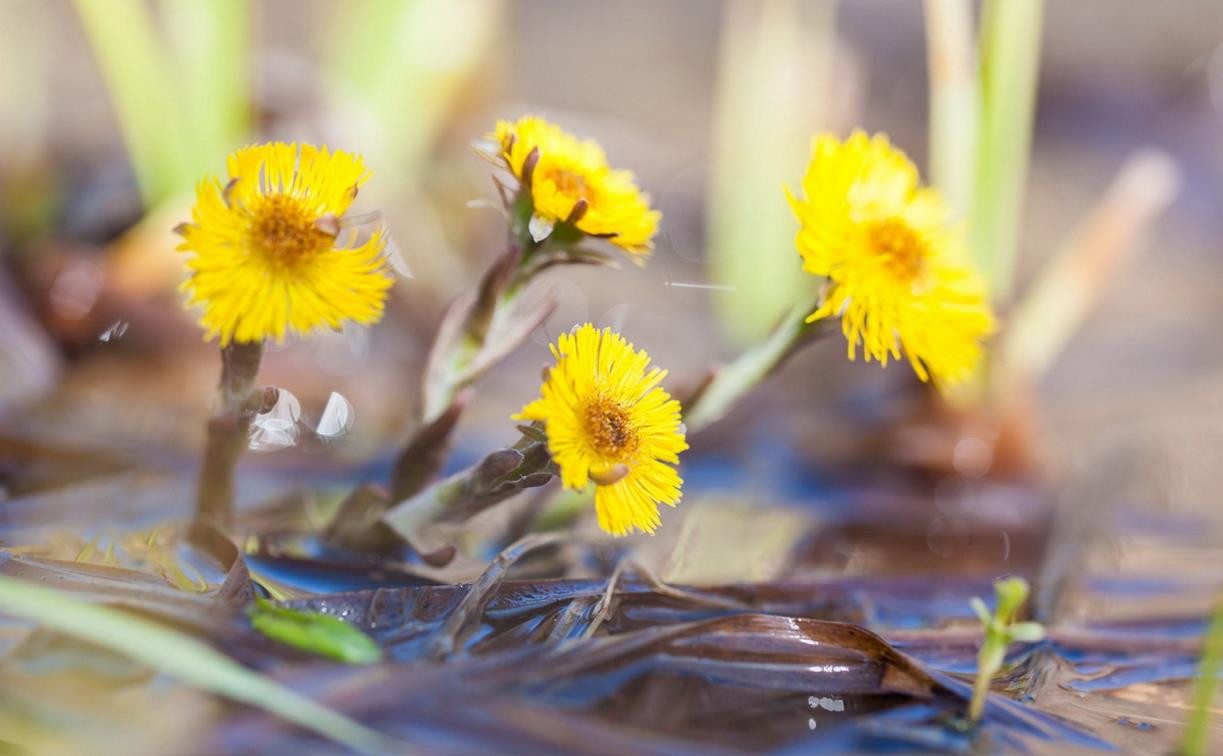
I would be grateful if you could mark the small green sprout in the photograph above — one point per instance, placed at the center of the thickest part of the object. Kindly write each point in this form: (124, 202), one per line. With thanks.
(1001, 630)
(316, 632)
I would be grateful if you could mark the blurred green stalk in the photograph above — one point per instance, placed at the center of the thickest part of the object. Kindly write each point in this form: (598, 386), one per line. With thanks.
(1010, 60)
(211, 42)
(179, 114)
(954, 101)
(1197, 729)
(134, 65)
(405, 62)
(771, 74)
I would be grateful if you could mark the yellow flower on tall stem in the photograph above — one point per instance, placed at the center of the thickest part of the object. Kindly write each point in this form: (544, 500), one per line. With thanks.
(266, 252)
(608, 421)
(267, 259)
(571, 183)
(898, 274)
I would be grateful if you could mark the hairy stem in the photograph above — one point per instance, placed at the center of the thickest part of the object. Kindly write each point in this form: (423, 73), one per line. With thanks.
(731, 381)
(227, 432)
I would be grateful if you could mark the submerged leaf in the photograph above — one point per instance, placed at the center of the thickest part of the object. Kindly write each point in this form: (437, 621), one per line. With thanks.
(318, 633)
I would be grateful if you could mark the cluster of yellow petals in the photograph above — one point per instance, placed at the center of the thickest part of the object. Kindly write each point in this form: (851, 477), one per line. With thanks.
(265, 253)
(569, 171)
(897, 269)
(607, 420)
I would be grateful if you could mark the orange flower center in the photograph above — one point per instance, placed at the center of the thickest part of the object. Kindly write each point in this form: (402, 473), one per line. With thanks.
(900, 250)
(570, 183)
(285, 233)
(610, 429)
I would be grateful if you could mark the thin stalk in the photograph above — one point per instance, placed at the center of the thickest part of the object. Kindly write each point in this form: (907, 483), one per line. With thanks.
(227, 432)
(139, 78)
(1197, 729)
(1010, 60)
(954, 101)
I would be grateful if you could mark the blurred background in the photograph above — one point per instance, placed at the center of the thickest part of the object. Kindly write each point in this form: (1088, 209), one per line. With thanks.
(111, 111)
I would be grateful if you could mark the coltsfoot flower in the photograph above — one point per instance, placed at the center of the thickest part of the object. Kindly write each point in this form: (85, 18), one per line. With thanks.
(571, 183)
(607, 420)
(897, 271)
(266, 257)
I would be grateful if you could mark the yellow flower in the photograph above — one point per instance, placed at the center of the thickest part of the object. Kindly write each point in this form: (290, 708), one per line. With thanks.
(608, 421)
(570, 182)
(897, 271)
(266, 258)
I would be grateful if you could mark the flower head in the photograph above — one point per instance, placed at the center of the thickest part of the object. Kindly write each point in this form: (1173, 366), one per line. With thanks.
(898, 275)
(570, 182)
(265, 254)
(608, 421)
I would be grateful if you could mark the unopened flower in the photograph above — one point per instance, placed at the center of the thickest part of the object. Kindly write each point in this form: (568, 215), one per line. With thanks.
(266, 258)
(898, 275)
(571, 183)
(607, 420)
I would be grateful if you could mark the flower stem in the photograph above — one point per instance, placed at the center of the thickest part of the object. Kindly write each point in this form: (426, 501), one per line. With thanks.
(735, 379)
(493, 479)
(478, 331)
(227, 432)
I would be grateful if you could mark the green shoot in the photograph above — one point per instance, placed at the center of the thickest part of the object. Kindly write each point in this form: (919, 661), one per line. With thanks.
(1001, 630)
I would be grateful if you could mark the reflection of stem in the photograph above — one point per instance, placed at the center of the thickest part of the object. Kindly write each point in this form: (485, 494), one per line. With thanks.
(227, 432)
(735, 379)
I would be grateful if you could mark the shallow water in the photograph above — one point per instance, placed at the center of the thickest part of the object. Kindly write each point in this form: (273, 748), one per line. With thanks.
(759, 664)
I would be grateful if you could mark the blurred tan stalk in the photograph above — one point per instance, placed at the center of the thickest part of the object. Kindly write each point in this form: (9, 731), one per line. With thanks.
(954, 101)
(1072, 283)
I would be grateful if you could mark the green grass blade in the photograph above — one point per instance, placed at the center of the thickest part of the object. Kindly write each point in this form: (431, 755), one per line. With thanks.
(181, 657)
(1010, 60)
(140, 81)
(770, 73)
